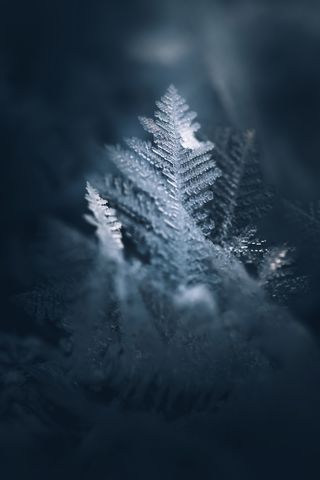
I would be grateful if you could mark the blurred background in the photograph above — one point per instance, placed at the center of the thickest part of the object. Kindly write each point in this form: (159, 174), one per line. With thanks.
(75, 75)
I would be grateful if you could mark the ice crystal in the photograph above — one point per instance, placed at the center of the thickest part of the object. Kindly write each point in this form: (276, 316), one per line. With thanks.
(246, 245)
(277, 275)
(164, 188)
(241, 194)
(103, 218)
(242, 198)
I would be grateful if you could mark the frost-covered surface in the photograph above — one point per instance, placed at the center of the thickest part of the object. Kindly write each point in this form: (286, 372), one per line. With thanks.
(161, 334)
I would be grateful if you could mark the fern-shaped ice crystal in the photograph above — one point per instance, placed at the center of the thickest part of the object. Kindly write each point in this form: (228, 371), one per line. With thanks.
(164, 188)
(241, 194)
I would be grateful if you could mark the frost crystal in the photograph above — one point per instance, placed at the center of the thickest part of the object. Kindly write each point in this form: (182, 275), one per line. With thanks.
(277, 276)
(164, 188)
(103, 218)
(241, 196)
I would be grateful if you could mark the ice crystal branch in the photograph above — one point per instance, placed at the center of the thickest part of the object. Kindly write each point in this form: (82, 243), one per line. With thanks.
(103, 218)
(246, 246)
(277, 276)
(241, 195)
